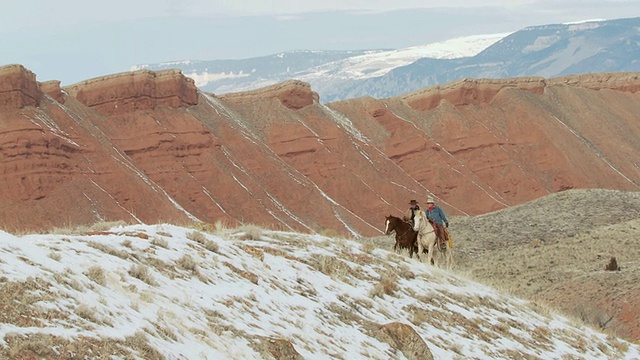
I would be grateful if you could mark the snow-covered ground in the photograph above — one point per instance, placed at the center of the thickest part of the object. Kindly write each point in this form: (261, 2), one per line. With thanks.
(221, 294)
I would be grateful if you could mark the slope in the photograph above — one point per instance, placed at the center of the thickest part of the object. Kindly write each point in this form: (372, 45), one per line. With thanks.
(167, 292)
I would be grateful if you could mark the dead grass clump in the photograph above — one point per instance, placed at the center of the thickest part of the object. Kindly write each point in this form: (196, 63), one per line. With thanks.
(45, 346)
(162, 267)
(330, 233)
(165, 332)
(245, 274)
(368, 247)
(419, 315)
(220, 227)
(388, 285)
(501, 328)
(201, 239)
(406, 273)
(140, 343)
(83, 229)
(211, 246)
(187, 263)
(250, 232)
(621, 346)
(542, 335)
(332, 266)
(197, 236)
(40, 345)
(160, 242)
(96, 273)
(86, 313)
(109, 249)
(69, 281)
(140, 272)
(106, 225)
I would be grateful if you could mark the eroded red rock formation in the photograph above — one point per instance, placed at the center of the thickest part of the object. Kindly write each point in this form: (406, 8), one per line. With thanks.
(18, 88)
(148, 146)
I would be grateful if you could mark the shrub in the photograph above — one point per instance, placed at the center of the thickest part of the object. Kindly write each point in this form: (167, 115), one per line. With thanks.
(141, 273)
(96, 273)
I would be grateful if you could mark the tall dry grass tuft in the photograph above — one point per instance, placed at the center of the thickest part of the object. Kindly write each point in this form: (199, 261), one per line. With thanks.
(187, 263)
(197, 236)
(332, 266)
(201, 239)
(160, 242)
(388, 285)
(86, 313)
(97, 274)
(250, 232)
(140, 272)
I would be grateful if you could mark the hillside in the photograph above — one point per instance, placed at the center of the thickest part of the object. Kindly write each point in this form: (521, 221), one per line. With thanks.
(554, 250)
(148, 147)
(168, 292)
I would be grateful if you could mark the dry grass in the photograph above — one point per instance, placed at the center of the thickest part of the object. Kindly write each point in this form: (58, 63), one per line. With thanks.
(332, 267)
(201, 239)
(388, 285)
(250, 232)
(55, 256)
(109, 249)
(141, 272)
(96, 273)
(187, 263)
(83, 229)
(160, 242)
(197, 236)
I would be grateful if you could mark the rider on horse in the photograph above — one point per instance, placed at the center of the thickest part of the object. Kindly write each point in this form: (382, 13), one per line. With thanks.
(434, 213)
(410, 214)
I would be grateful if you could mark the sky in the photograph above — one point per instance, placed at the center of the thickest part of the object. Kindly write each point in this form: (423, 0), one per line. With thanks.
(75, 40)
(212, 295)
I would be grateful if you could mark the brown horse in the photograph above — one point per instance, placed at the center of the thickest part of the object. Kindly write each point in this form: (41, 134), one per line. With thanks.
(406, 237)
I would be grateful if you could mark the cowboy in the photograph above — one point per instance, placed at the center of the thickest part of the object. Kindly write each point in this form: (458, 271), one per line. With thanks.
(411, 212)
(435, 214)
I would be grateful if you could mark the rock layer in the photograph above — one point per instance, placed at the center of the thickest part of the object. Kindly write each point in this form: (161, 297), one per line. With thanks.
(148, 146)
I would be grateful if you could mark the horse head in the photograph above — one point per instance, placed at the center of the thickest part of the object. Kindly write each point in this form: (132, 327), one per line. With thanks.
(389, 225)
(417, 221)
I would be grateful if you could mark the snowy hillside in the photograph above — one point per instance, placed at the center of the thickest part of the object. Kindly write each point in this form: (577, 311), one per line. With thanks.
(380, 63)
(320, 68)
(162, 291)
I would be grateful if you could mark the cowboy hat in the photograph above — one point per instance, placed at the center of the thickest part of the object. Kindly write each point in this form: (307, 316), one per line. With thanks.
(430, 200)
(413, 202)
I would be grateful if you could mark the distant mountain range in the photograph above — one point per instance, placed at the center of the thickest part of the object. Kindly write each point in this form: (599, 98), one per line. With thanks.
(548, 51)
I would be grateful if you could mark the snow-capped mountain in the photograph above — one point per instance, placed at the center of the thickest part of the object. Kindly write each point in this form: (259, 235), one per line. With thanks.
(321, 68)
(549, 51)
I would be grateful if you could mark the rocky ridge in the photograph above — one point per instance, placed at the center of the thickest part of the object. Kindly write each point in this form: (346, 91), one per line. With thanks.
(149, 147)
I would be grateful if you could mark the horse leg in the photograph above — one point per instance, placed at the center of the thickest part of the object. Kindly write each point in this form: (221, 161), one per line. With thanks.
(430, 254)
(420, 247)
(449, 258)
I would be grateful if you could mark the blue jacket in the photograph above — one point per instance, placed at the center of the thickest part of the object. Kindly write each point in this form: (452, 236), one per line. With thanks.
(437, 215)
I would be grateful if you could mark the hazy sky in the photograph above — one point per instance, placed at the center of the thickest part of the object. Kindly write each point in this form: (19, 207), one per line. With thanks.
(74, 40)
